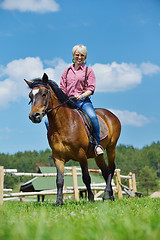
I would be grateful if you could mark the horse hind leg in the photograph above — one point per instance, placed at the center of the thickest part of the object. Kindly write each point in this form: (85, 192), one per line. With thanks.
(87, 179)
(108, 193)
(107, 173)
(104, 169)
(111, 168)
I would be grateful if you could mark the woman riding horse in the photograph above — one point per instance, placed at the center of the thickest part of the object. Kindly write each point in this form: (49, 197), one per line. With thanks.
(73, 84)
(78, 82)
(67, 135)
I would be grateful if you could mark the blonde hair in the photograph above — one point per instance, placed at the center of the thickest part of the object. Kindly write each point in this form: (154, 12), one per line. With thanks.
(80, 48)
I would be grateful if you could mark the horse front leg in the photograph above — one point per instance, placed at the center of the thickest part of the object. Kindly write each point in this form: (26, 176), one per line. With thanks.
(59, 181)
(87, 179)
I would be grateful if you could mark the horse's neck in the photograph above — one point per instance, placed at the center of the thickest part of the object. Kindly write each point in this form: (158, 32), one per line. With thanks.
(59, 116)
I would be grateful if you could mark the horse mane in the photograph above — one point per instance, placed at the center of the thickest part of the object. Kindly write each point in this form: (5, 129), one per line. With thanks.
(62, 97)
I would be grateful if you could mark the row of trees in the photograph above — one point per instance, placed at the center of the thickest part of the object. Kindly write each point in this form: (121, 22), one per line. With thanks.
(145, 163)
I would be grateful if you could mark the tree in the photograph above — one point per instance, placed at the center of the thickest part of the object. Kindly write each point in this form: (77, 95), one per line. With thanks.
(147, 180)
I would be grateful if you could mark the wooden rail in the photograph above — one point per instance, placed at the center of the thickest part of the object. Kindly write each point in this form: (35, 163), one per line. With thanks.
(20, 174)
(98, 188)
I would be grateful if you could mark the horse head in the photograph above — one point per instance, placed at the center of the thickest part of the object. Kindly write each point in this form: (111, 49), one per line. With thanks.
(39, 98)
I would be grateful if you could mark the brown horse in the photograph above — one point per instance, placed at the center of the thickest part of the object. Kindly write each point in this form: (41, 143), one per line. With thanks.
(67, 136)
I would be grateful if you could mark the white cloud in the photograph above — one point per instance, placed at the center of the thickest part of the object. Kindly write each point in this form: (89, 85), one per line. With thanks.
(14, 86)
(130, 118)
(149, 68)
(116, 77)
(40, 6)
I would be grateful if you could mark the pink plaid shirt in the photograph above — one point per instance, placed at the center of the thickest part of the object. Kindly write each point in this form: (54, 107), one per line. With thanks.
(74, 83)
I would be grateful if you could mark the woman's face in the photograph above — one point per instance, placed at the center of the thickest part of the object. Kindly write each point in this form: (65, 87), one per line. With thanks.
(79, 58)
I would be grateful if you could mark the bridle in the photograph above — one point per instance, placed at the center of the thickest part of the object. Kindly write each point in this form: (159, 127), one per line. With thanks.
(49, 93)
(46, 111)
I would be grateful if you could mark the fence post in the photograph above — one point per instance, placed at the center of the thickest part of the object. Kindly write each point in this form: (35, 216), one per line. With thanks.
(75, 183)
(130, 185)
(21, 199)
(1, 184)
(118, 180)
(134, 182)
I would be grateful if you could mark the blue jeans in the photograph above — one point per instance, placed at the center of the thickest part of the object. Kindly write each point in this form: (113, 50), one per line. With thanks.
(86, 105)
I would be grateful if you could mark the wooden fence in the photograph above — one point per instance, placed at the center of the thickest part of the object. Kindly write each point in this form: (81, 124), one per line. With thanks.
(98, 188)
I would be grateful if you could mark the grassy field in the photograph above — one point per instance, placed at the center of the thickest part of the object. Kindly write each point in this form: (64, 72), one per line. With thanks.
(123, 219)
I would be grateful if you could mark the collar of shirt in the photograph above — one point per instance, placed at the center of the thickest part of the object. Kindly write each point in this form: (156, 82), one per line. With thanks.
(80, 67)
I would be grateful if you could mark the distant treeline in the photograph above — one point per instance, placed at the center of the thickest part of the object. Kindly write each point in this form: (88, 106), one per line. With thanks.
(145, 163)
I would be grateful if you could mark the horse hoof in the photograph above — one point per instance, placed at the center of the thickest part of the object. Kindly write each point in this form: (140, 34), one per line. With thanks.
(112, 198)
(108, 196)
(59, 203)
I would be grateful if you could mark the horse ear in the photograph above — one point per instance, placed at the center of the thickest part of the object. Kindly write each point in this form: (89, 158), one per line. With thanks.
(29, 83)
(45, 78)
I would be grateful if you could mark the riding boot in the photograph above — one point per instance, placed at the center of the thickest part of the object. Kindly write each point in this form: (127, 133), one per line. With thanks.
(98, 149)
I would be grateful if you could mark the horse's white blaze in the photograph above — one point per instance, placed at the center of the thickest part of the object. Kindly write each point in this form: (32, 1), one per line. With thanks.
(35, 91)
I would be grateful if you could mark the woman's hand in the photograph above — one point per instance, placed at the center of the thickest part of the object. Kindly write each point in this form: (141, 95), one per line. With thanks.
(83, 95)
(78, 97)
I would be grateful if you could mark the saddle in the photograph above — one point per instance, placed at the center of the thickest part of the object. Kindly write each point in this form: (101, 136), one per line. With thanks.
(88, 125)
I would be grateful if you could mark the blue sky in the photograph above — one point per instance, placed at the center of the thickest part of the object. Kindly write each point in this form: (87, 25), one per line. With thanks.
(123, 41)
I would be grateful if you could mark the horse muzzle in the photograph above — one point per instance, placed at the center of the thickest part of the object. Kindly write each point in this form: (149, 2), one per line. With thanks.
(36, 117)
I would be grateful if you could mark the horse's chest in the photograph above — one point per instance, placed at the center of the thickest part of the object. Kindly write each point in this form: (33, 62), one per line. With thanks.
(58, 143)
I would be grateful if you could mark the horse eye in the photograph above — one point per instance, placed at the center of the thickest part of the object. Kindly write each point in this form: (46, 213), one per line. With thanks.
(44, 95)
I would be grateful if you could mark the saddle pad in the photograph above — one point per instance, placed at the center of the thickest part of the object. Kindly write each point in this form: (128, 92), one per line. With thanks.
(103, 128)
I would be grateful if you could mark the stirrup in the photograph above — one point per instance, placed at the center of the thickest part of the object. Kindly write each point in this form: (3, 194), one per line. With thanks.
(99, 152)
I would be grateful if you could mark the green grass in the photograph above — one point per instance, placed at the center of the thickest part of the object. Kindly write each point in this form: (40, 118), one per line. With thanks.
(123, 219)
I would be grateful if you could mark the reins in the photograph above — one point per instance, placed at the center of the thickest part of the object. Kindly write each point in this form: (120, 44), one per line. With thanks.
(53, 108)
